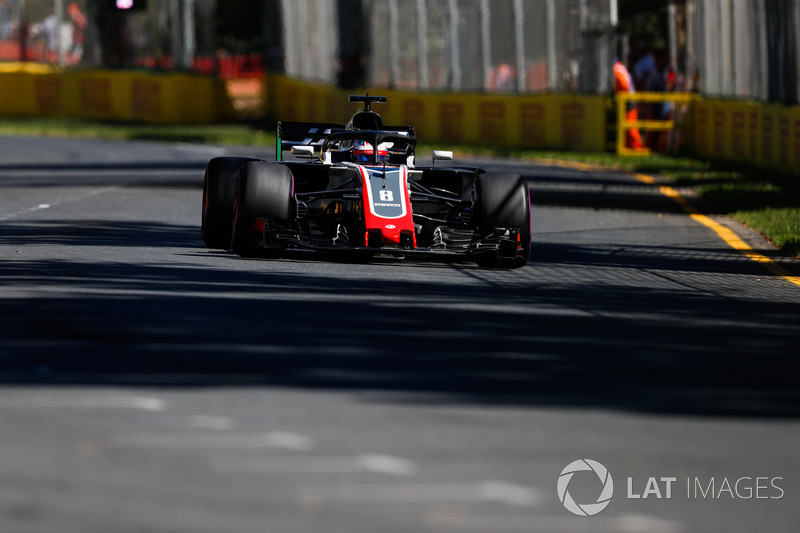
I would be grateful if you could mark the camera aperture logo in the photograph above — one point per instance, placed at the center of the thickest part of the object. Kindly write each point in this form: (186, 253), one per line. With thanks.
(585, 486)
(585, 509)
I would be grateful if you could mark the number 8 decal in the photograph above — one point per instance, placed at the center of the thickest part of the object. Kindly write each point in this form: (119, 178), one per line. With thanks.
(386, 195)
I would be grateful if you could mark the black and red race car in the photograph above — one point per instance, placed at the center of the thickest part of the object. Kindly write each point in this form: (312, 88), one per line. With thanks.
(355, 188)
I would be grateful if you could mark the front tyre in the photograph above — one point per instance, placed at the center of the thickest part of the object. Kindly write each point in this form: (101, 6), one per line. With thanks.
(504, 203)
(218, 195)
(263, 196)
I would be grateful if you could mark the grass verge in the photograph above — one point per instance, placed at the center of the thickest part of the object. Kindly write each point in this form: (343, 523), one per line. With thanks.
(761, 199)
(780, 224)
(230, 134)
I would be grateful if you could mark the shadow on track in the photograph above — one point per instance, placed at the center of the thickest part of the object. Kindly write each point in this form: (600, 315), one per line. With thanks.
(520, 338)
(598, 191)
(96, 233)
(94, 166)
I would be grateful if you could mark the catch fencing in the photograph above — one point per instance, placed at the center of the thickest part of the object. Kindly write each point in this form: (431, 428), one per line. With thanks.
(499, 46)
(167, 34)
(721, 48)
(746, 49)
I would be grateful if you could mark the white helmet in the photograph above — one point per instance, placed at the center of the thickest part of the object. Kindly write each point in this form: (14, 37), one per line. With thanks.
(363, 152)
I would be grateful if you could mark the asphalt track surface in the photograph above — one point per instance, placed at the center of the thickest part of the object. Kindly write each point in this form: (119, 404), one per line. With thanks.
(150, 384)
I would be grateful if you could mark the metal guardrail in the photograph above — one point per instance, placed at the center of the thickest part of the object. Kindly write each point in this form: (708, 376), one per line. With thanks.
(623, 124)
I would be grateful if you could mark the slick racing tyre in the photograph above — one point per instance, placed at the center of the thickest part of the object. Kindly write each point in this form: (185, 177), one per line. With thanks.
(504, 202)
(263, 193)
(218, 191)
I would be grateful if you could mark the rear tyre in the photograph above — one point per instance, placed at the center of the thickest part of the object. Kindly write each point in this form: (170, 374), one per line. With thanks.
(262, 196)
(504, 202)
(218, 192)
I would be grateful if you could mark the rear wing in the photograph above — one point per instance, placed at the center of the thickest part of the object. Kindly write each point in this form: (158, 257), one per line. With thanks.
(314, 134)
(302, 133)
(408, 131)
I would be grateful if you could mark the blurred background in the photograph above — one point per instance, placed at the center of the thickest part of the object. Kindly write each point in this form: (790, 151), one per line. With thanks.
(724, 48)
(515, 73)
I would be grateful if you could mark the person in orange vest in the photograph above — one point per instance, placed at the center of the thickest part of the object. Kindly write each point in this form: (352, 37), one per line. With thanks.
(79, 24)
(623, 83)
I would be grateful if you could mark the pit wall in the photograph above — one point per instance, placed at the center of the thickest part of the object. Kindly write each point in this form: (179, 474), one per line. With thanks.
(28, 89)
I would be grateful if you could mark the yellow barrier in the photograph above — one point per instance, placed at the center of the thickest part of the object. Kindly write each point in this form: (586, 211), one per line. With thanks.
(554, 121)
(766, 135)
(34, 90)
(624, 125)
(762, 134)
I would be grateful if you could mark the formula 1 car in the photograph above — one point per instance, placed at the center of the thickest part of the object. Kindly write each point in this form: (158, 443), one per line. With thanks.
(355, 188)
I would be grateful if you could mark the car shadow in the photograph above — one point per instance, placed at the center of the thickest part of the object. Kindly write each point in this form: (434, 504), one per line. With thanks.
(548, 335)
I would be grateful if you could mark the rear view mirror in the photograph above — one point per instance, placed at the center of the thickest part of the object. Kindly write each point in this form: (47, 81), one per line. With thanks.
(441, 155)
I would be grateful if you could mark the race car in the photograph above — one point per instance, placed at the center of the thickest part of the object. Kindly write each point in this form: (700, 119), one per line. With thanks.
(356, 189)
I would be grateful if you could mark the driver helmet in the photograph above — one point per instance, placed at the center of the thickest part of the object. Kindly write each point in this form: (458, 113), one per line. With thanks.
(363, 152)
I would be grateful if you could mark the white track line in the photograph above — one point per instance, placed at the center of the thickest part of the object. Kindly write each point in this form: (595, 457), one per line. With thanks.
(450, 493)
(386, 464)
(626, 523)
(87, 402)
(369, 463)
(26, 211)
(191, 440)
(41, 207)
